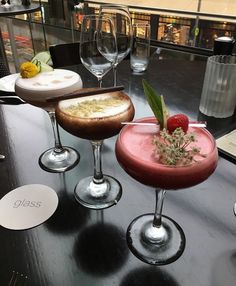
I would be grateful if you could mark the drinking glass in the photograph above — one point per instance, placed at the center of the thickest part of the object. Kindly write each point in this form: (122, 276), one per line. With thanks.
(98, 48)
(140, 52)
(155, 238)
(59, 158)
(123, 27)
(35, 91)
(96, 118)
(218, 98)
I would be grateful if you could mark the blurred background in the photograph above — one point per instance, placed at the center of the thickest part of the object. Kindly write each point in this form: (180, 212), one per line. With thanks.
(182, 24)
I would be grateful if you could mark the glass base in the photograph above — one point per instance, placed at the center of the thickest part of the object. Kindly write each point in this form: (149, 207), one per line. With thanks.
(98, 195)
(156, 246)
(58, 162)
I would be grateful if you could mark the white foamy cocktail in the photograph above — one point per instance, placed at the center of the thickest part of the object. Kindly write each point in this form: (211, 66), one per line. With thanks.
(37, 89)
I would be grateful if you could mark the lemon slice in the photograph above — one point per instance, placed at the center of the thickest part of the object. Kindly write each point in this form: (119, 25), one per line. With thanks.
(43, 57)
(44, 67)
(165, 112)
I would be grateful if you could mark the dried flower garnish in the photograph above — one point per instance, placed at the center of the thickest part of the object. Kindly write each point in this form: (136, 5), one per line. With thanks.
(87, 108)
(175, 149)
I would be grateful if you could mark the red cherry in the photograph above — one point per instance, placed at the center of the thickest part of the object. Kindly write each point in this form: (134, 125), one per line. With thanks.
(178, 120)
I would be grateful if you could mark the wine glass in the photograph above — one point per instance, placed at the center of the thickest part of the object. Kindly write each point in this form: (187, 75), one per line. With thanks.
(35, 91)
(98, 48)
(123, 27)
(96, 118)
(155, 238)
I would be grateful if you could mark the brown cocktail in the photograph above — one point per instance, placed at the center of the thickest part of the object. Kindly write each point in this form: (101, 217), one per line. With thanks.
(96, 118)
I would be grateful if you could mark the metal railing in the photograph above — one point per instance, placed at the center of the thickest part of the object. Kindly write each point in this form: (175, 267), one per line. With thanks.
(49, 28)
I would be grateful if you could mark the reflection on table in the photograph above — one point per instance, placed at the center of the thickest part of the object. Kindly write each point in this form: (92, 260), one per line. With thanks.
(77, 246)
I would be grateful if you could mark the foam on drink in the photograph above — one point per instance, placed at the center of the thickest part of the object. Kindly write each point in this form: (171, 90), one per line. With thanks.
(103, 105)
(135, 153)
(95, 117)
(47, 84)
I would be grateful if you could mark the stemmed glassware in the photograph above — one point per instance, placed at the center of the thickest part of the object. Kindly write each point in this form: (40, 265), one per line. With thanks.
(123, 27)
(98, 47)
(35, 91)
(59, 158)
(155, 238)
(96, 118)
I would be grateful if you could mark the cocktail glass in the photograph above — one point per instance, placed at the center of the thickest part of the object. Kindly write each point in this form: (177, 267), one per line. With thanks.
(98, 47)
(96, 118)
(155, 238)
(121, 19)
(35, 91)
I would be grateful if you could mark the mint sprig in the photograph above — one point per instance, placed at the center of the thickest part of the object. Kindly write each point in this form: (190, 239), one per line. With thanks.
(156, 103)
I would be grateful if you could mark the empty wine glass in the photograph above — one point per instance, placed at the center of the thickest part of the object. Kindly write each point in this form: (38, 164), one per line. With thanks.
(123, 27)
(98, 48)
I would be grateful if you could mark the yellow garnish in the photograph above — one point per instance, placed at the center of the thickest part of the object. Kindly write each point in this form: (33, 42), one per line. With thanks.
(29, 69)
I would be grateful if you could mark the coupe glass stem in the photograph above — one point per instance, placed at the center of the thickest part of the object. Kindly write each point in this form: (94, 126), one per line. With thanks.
(115, 74)
(98, 175)
(154, 232)
(58, 146)
(100, 82)
(160, 194)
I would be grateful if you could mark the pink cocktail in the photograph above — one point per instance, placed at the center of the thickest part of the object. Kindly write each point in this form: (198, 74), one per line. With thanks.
(135, 153)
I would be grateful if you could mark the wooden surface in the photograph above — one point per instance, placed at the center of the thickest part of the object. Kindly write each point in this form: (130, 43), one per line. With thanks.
(77, 246)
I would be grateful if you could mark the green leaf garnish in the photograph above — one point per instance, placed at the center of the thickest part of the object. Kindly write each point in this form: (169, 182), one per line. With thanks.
(156, 103)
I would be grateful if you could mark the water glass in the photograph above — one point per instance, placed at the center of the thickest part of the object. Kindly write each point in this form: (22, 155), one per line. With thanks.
(141, 48)
(218, 97)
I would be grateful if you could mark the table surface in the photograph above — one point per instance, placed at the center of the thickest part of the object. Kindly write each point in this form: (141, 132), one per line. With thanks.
(78, 246)
(18, 9)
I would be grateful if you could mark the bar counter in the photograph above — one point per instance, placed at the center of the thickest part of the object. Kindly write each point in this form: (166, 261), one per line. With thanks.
(78, 246)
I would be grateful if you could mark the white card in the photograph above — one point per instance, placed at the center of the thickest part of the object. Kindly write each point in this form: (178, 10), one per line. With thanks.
(227, 143)
(27, 206)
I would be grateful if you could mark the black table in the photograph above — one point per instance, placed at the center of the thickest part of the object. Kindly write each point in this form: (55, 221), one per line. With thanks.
(77, 246)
